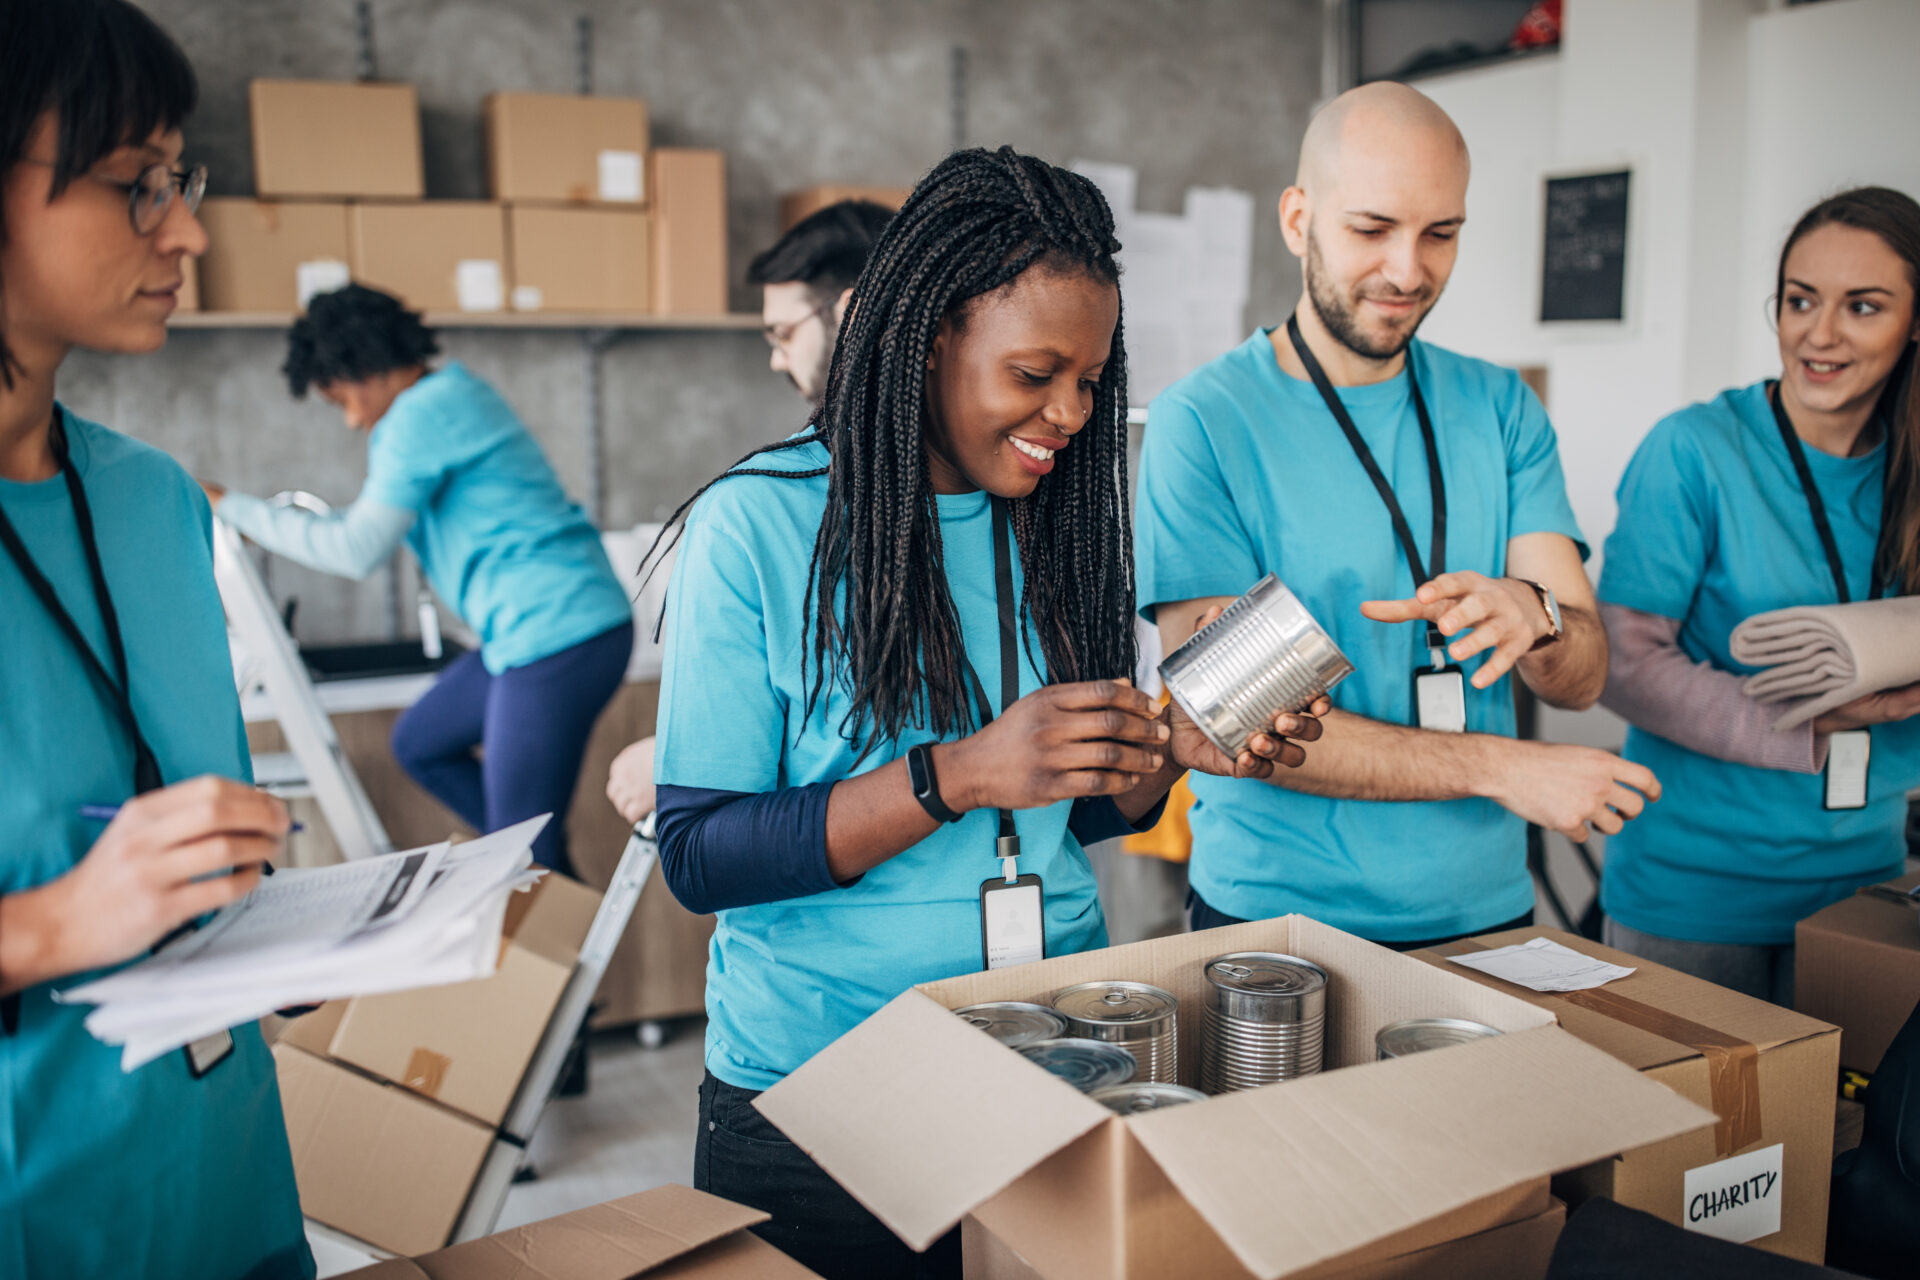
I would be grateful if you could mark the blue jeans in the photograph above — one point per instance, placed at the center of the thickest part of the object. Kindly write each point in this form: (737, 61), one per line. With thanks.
(740, 1156)
(533, 722)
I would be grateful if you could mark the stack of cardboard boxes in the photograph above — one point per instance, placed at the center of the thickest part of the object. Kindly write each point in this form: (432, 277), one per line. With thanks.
(585, 219)
(393, 1102)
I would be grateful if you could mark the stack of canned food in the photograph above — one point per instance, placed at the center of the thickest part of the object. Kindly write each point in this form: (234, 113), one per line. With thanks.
(1264, 1021)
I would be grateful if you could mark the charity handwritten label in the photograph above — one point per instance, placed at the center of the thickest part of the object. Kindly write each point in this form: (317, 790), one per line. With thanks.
(1737, 1199)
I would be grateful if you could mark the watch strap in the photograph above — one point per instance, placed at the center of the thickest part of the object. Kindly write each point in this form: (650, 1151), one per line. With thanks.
(1551, 607)
(926, 785)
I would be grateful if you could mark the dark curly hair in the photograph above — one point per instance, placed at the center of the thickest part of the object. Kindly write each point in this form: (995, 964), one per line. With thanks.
(974, 224)
(353, 334)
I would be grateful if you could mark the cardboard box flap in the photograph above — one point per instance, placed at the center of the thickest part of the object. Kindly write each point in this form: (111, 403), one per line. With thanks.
(552, 918)
(613, 1241)
(389, 1269)
(1311, 1170)
(922, 1117)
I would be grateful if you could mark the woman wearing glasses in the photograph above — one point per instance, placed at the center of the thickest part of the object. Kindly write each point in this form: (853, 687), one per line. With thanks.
(115, 690)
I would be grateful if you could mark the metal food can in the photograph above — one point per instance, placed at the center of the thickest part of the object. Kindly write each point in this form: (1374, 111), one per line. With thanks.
(1131, 1099)
(1263, 656)
(1265, 1020)
(1417, 1035)
(1085, 1064)
(1142, 1019)
(1014, 1023)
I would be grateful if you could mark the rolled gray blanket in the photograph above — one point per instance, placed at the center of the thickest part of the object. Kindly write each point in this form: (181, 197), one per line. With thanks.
(1820, 656)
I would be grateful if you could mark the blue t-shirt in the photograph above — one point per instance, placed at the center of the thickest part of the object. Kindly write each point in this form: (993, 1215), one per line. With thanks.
(785, 979)
(104, 1173)
(1243, 473)
(497, 536)
(1713, 529)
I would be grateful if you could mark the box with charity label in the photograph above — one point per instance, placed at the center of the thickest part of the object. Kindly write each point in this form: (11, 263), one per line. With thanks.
(336, 138)
(271, 255)
(567, 147)
(438, 255)
(1857, 964)
(1760, 1175)
(928, 1120)
(565, 259)
(669, 1232)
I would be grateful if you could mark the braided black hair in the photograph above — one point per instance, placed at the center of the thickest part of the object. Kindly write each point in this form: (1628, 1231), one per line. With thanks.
(975, 223)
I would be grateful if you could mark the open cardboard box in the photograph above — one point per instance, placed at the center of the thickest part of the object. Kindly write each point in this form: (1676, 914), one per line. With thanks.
(925, 1121)
(668, 1233)
(1768, 1074)
(1857, 964)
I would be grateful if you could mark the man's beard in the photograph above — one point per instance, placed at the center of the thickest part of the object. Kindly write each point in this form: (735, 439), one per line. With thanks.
(822, 367)
(1337, 314)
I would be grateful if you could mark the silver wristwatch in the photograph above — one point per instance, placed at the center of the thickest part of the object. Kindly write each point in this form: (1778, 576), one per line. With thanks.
(1552, 607)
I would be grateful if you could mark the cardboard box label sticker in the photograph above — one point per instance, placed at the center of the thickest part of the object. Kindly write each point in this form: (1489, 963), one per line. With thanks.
(527, 297)
(1737, 1199)
(620, 176)
(479, 284)
(320, 275)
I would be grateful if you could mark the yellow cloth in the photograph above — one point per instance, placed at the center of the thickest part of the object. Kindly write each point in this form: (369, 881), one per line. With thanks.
(1172, 837)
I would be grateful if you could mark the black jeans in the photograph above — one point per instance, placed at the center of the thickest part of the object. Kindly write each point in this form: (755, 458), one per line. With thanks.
(739, 1155)
(1200, 916)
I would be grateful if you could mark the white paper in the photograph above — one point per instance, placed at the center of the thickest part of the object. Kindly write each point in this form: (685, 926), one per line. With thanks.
(1737, 1199)
(319, 275)
(527, 297)
(621, 176)
(1543, 966)
(419, 918)
(479, 284)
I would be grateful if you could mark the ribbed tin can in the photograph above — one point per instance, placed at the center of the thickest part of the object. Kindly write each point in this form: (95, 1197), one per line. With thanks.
(1131, 1099)
(1265, 1020)
(1142, 1019)
(1417, 1035)
(1013, 1023)
(1265, 654)
(1085, 1064)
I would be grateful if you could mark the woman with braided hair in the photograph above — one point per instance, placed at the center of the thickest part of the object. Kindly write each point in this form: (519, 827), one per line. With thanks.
(841, 768)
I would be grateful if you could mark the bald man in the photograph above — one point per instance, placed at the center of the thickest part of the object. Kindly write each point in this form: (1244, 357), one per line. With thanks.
(1310, 452)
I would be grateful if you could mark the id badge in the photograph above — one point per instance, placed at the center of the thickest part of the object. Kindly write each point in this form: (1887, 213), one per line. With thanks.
(208, 1052)
(1440, 699)
(1013, 926)
(1847, 756)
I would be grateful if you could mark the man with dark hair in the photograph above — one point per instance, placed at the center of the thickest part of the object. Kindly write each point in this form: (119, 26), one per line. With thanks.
(806, 279)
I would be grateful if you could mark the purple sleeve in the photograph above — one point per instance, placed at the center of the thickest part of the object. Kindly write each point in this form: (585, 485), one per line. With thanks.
(1653, 684)
(722, 849)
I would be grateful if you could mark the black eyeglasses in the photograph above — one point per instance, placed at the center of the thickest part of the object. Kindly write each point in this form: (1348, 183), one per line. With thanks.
(150, 195)
(781, 335)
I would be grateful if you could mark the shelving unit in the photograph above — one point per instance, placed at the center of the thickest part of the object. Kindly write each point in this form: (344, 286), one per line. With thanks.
(742, 321)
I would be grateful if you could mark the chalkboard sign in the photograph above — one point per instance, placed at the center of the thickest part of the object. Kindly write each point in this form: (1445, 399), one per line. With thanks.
(1583, 272)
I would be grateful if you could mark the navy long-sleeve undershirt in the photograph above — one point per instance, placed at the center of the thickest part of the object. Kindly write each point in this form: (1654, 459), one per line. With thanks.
(723, 849)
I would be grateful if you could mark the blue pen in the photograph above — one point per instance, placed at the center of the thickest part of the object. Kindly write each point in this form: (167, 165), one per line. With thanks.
(106, 813)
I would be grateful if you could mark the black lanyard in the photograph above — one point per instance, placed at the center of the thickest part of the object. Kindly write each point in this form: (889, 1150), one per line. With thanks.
(146, 769)
(1815, 504)
(1008, 846)
(1401, 530)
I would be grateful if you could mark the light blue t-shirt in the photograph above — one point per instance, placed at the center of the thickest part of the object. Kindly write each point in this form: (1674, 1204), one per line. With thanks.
(1243, 473)
(153, 1173)
(1713, 529)
(785, 979)
(497, 536)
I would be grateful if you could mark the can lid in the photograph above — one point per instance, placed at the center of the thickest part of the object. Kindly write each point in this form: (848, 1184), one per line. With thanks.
(1115, 1002)
(1014, 1023)
(1416, 1035)
(1131, 1099)
(1084, 1064)
(1265, 973)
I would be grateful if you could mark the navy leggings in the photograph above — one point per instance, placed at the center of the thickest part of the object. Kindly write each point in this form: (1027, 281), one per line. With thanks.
(533, 722)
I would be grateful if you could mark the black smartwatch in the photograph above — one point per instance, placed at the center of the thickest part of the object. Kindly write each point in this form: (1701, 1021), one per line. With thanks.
(926, 788)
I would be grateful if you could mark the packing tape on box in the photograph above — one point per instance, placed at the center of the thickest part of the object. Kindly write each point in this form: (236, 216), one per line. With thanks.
(426, 1072)
(1733, 1064)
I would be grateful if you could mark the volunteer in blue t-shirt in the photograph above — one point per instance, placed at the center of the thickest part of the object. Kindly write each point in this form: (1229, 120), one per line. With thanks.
(115, 690)
(453, 473)
(1800, 491)
(895, 703)
(1358, 465)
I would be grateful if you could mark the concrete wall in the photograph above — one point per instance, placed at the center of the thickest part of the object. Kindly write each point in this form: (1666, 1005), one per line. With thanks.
(796, 92)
